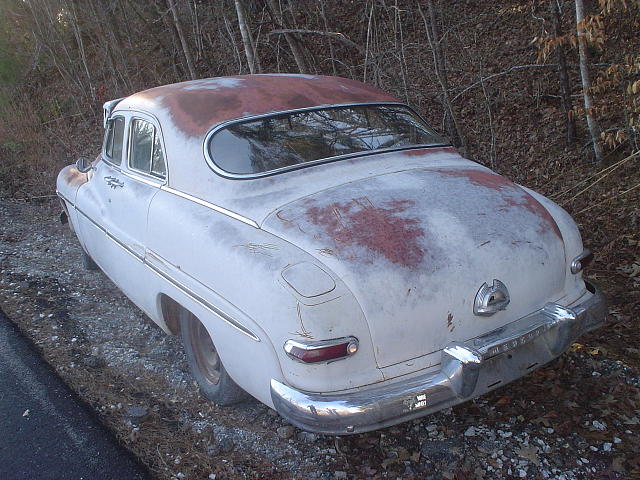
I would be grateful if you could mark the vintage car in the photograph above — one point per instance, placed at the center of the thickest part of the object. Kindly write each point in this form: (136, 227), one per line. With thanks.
(318, 246)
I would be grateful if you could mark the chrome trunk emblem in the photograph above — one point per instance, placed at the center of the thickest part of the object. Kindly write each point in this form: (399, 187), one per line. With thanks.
(491, 299)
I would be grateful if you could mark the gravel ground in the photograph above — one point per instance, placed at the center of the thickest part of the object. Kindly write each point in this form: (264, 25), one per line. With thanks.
(575, 418)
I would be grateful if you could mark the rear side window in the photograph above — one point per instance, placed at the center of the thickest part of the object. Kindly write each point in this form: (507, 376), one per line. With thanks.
(147, 155)
(113, 140)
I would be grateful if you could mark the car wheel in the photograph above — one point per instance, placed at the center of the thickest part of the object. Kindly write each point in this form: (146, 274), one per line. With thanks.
(205, 363)
(87, 261)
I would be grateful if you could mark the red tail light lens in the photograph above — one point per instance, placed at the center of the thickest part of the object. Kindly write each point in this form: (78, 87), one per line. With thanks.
(324, 351)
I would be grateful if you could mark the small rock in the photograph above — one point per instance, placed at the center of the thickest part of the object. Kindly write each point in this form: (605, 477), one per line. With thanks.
(607, 446)
(226, 444)
(285, 432)
(136, 414)
(339, 475)
(307, 437)
(616, 440)
(470, 432)
(92, 361)
(599, 425)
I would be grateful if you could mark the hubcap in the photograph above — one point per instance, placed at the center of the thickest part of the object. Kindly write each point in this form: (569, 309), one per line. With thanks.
(205, 352)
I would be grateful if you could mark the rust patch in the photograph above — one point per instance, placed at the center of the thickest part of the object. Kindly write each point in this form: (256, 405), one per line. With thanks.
(303, 332)
(535, 207)
(418, 152)
(73, 177)
(197, 106)
(450, 324)
(379, 229)
(482, 178)
(192, 111)
(521, 199)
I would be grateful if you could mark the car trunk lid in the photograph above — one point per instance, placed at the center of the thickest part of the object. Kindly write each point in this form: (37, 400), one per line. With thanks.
(415, 247)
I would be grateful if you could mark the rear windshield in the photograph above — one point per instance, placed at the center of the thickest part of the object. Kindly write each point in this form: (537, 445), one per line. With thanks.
(292, 139)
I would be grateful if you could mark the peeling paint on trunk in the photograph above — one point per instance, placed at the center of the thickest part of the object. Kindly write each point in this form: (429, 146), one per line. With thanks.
(380, 229)
(414, 246)
(512, 195)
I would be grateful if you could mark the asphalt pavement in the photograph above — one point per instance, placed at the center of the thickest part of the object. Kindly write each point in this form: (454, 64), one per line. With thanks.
(46, 432)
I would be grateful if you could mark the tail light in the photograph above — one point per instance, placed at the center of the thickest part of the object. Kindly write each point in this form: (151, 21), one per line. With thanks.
(581, 261)
(323, 351)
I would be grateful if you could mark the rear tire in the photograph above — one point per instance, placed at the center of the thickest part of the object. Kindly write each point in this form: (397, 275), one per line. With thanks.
(87, 261)
(205, 363)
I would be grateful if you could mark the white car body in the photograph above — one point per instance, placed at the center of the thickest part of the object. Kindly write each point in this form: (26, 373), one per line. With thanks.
(391, 249)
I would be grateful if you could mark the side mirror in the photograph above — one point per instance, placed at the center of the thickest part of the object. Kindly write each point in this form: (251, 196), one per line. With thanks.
(84, 165)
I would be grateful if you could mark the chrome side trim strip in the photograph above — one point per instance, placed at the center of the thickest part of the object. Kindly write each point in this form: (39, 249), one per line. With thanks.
(62, 197)
(179, 285)
(212, 308)
(100, 227)
(125, 247)
(212, 206)
(112, 237)
(142, 179)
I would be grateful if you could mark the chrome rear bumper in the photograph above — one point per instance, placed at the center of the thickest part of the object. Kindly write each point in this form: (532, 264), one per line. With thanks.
(468, 370)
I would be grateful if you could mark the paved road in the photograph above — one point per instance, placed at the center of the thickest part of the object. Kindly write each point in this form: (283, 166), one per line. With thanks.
(45, 432)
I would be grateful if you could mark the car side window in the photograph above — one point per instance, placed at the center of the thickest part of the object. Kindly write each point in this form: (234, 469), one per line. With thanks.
(113, 140)
(147, 155)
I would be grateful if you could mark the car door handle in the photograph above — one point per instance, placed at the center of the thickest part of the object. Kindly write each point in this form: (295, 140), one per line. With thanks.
(113, 182)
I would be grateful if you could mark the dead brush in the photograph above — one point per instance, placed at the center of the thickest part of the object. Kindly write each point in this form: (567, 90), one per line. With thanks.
(25, 154)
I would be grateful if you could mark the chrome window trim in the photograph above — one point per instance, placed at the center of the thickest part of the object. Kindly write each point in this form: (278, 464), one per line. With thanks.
(128, 115)
(247, 176)
(107, 110)
(156, 130)
(106, 157)
(212, 206)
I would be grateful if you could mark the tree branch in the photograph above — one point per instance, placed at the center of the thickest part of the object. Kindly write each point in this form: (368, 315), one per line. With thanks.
(337, 35)
(509, 70)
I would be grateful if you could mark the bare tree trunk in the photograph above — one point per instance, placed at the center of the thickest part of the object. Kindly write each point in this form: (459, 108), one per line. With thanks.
(594, 129)
(83, 56)
(563, 75)
(432, 28)
(183, 40)
(294, 43)
(249, 48)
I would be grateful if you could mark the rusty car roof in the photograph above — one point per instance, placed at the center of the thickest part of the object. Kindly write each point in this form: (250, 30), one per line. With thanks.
(198, 105)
